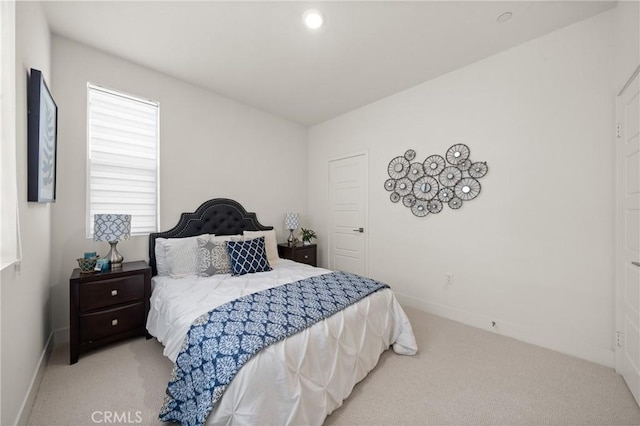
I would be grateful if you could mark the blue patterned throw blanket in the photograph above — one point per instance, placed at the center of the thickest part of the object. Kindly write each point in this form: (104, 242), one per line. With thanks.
(224, 339)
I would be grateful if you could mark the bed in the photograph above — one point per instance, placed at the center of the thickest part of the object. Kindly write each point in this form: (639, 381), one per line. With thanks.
(299, 379)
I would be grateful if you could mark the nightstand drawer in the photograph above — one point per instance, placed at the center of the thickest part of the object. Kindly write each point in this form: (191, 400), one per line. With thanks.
(305, 256)
(100, 294)
(299, 253)
(113, 321)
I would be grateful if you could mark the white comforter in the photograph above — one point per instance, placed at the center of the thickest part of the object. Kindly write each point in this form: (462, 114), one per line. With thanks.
(304, 377)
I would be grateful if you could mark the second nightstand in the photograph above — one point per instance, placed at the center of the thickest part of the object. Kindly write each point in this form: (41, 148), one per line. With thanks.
(299, 253)
(108, 306)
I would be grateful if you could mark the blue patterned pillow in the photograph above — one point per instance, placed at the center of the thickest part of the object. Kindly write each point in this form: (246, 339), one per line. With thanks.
(248, 256)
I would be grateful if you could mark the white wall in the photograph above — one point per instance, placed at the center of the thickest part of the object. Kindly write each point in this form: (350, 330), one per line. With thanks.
(534, 252)
(25, 295)
(210, 147)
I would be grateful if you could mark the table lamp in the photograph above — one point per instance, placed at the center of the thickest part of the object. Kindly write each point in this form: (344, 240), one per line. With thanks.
(291, 223)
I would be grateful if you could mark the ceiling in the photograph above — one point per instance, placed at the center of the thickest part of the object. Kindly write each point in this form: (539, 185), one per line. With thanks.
(261, 54)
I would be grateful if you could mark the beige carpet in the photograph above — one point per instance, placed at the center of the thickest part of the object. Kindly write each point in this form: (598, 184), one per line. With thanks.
(462, 376)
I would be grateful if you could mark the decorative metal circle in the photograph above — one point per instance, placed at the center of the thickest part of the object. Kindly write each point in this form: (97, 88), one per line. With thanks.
(410, 154)
(434, 206)
(464, 165)
(467, 189)
(390, 184)
(425, 188)
(398, 167)
(433, 165)
(415, 171)
(409, 200)
(450, 176)
(458, 153)
(420, 209)
(404, 186)
(394, 197)
(478, 170)
(455, 203)
(445, 194)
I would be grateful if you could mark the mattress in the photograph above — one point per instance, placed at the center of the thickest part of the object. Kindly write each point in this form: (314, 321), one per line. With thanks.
(301, 379)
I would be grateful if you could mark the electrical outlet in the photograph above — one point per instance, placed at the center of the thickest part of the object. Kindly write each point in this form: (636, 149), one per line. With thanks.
(448, 278)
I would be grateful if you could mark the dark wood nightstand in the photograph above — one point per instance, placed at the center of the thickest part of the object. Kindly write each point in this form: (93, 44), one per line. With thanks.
(299, 253)
(108, 306)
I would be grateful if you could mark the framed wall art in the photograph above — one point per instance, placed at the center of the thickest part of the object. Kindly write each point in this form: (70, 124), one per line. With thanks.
(42, 140)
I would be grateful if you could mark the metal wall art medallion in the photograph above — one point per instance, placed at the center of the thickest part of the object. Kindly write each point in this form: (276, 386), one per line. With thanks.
(425, 187)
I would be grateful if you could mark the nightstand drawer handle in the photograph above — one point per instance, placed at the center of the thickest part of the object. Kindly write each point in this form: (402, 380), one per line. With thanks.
(114, 292)
(114, 322)
(306, 256)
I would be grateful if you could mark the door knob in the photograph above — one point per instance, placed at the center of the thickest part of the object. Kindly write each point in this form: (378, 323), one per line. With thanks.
(360, 230)
(635, 263)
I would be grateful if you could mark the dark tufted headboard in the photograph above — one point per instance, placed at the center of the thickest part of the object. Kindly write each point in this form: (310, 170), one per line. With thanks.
(219, 216)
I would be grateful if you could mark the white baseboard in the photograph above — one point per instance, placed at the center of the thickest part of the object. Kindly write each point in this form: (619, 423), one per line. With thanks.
(565, 343)
(30, 397)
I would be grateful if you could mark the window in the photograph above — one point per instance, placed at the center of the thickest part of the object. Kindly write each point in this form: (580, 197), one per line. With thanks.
(9, 249)
(122, 175)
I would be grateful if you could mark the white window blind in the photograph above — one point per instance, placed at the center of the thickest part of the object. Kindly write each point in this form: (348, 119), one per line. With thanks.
(123, 147)
(9, 249)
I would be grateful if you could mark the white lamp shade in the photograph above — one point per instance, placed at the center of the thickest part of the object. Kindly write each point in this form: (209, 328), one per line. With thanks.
(291, 220)
(111, 227)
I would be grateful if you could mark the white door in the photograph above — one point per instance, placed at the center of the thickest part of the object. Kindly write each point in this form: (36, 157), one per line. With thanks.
(628, 238)
(348, 214)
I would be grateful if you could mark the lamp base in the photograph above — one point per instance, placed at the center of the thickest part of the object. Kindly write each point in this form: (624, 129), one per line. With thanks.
(114, 257)
(292, 239)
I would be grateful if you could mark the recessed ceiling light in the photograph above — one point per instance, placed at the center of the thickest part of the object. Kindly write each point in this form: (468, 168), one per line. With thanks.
(504, 17)
(313, 18)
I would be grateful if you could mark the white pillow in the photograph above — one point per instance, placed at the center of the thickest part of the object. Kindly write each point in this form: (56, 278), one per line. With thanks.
(270, 243)
(180, 256)
(161, 257)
